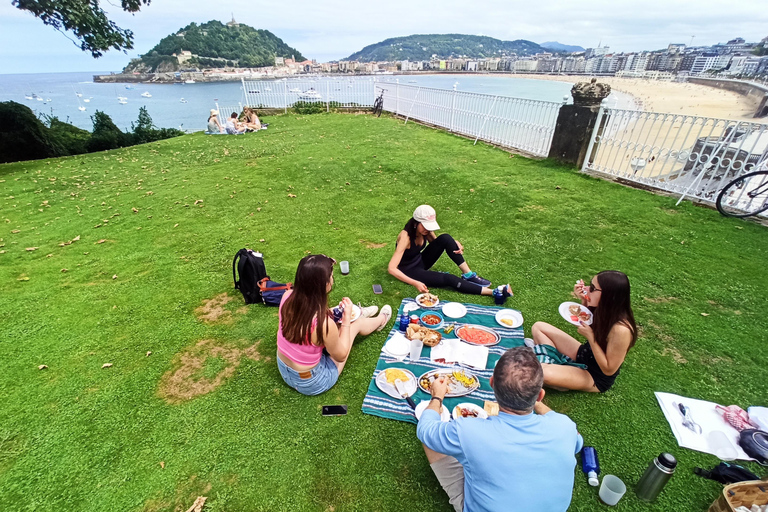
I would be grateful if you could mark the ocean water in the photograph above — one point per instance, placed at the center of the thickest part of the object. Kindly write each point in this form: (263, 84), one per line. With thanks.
(59, 95)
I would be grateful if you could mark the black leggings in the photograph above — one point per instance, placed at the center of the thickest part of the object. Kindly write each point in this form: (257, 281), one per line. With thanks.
(419, 269)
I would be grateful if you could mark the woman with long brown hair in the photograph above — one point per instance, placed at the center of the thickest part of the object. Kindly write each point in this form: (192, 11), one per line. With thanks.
(612, 333)
(311, 348)
(252, 121)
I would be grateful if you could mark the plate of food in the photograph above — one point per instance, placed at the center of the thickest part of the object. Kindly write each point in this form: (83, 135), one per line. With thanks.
(385, 381)
(444, 414)
(575, 313)
(509, 318)
(427, 336)
(461, 382)
(356, 312)
(469, 410)
(454, 309)
(427, 300)
(478, 335)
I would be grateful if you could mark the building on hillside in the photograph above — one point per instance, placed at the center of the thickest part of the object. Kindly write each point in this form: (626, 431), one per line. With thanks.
(183, 56)
(233, 23)
(675, 49)
(710, 61)
(279, 61)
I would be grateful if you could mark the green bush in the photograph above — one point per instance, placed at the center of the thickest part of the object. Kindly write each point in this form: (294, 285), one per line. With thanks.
(22, 135)
(145, 131)
(70, 139)
(309, 107)
(106, 135)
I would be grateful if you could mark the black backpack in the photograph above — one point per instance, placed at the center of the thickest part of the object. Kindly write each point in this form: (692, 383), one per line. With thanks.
(726, 473)
(250, 266)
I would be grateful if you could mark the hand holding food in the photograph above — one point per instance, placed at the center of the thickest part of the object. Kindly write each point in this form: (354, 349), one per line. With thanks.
(440, 386)
(579, 290)
(346, 315)
(421, 287)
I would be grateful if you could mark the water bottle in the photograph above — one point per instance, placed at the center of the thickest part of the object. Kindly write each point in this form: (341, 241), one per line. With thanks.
(656, 477)
(404, 320)
(590, 465)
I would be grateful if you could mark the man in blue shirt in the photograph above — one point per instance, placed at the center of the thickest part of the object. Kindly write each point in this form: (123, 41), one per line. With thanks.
(523, 459)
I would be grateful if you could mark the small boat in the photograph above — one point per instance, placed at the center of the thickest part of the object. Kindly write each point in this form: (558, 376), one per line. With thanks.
(311, 94)
(39, 98)
(86, 100)
(146, 94)
(295, 89)
(79, 94)
(122, 98)
(48, 100)
(129, 87)
(189, 81)
(28, 97)
(81, 108)
(122, 101)
(182, 100)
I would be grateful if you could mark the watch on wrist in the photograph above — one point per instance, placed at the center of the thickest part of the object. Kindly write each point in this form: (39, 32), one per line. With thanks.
(438, 399)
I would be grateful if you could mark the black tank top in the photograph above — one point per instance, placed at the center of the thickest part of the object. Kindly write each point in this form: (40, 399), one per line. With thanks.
(412, 255)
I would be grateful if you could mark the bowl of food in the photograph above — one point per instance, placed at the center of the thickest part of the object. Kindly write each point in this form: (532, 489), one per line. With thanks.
(432, 320)
(427, 300)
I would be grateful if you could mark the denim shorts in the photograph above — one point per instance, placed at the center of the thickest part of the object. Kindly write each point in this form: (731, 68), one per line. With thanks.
(318, 380)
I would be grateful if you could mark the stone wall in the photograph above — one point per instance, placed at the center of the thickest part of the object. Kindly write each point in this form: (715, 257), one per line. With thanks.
(756, 95)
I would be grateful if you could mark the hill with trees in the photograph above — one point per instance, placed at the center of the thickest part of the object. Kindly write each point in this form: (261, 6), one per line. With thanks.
(214, 44)
(423, 46)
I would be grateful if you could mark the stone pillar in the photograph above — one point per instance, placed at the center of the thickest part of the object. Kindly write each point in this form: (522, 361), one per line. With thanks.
(576, 122)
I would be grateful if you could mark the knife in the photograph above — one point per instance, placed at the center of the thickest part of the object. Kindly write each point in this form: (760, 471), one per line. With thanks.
(400, 387)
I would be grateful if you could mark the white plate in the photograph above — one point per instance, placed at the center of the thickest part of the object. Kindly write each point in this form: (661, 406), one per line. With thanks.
(563, 310)
(418, 301)
(515, 316)
(469, 405)
(356, 312)
(444, 414)
(454, 309)
(386, 387)
(398, 346)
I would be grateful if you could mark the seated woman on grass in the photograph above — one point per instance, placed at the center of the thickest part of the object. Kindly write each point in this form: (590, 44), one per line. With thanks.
(311, 348)
(252, 121)
(418, 249)
(214, 125)
(612, 333)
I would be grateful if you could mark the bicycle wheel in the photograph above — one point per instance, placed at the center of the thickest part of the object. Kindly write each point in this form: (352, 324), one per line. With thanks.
(745, 196)
(378, 106)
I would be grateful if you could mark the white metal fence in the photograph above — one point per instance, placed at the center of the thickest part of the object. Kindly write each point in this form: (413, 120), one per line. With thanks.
(332, 92)
(516, 123)
(225, 111)
(689, 155)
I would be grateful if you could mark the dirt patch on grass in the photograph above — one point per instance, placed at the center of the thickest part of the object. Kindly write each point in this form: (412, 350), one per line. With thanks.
(188, 378)
(212, 311)
(184, 496)
(532, 207)
(674, 354)
(659, 300)
(372, 245)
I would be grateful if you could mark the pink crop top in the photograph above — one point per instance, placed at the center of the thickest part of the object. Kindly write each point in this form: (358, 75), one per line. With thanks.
(304, 354)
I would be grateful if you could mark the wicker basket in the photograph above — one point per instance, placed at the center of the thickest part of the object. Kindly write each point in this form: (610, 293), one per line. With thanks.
(741, 494)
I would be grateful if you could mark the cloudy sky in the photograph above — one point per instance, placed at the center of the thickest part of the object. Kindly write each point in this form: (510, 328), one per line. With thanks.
(333, 29)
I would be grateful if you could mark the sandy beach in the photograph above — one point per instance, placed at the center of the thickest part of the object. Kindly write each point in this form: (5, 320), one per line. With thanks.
(670, 97)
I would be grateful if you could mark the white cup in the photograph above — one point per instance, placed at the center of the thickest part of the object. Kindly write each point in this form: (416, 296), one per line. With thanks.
(612, 489)
(416, 346)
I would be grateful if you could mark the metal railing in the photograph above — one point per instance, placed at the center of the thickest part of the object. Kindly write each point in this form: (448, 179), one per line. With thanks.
(226, 110)
(334, 92)
(526, 125)
(687, 155)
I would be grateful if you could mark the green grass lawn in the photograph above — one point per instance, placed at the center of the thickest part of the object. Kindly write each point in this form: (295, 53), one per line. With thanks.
(206, 413)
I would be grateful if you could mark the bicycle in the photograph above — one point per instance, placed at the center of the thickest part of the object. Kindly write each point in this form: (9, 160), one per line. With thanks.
(745, 196)
(378, 104)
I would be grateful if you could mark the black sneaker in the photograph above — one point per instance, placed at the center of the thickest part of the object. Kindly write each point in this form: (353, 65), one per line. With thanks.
(474, 278)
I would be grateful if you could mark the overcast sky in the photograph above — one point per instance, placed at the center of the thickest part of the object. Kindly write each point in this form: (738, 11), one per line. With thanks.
(333, 29)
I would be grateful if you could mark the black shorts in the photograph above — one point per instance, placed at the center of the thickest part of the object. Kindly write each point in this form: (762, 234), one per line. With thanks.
(585, 356)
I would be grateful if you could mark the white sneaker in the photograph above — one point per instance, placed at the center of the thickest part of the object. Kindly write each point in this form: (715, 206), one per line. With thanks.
(369, 311)
(529, 342)
(386, 311)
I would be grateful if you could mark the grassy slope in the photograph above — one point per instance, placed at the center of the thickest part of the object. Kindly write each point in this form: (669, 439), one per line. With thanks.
(93, 438)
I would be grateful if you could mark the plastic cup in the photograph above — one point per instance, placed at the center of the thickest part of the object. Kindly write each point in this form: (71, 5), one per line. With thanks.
(612, 489)
(416, 346)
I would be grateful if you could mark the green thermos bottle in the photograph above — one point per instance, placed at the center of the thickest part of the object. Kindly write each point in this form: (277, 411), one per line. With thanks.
(656, 477)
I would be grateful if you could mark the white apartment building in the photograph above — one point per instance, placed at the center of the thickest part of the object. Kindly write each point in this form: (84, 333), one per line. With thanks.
(709, 61)
(525, 65)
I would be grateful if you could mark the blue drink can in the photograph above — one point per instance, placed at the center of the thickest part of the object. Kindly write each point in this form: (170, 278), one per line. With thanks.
(404, 322)
(337, 313)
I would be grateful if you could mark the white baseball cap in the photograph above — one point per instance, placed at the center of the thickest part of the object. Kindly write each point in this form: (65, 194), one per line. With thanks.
(426, 215)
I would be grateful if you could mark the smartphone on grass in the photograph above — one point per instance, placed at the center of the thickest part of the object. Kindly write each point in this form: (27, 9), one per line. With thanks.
(334, 410)
(377, 289)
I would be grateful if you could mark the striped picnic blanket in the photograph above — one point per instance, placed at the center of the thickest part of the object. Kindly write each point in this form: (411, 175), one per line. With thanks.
(379, 403)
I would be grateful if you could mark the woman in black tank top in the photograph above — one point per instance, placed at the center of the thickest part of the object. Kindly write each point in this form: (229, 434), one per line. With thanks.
(418, 249)
(610, 336)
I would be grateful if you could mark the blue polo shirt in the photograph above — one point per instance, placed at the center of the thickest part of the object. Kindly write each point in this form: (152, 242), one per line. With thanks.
(510, 462)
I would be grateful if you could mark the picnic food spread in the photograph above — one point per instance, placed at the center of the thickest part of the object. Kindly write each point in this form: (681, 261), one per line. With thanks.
(465, 412)
(508, 321)
(477, 335)
(394, 374)
(427, 336)
(427, 300)
(431, 319)
(460, 382)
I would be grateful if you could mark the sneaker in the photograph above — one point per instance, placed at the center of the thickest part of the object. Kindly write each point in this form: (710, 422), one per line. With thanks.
(386, 311)
(501, 293)
(529, 342)
(369, 312)
(474, 278)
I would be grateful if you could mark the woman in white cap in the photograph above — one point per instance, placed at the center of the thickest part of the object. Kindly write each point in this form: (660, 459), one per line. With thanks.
(214, 126)
(417, 250)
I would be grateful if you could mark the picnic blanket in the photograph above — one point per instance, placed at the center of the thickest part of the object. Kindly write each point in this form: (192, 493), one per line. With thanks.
(379, 403)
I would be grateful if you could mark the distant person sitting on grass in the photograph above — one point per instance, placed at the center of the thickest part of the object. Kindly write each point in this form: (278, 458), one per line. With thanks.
(252, 121)
(612, 333)
(214, 125)
(311, 348)
(522, 459)
(418, 249)
(233, 126)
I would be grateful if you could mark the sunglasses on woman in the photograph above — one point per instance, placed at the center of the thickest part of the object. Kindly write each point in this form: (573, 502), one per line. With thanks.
(593, 289)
